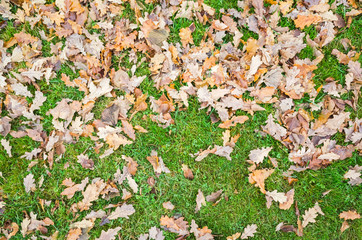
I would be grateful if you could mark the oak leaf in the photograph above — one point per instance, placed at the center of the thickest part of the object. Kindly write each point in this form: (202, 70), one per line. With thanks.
(200, 201)
(303, 21)
(258, 155)
(168, 205)
(186, 37)
(123, 211)
(258, 177)
(110, 234)
(349, 215)
(249, 231)
(29, 183)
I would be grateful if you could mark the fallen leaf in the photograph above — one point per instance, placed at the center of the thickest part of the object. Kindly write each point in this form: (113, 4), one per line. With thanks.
(258, 155)
(123, 211)
(29, 183)
(234, 236)
(303, 21)
(168, 205)
(110, 234)
(175, 225)
(187, 172)
(74, 234)
(258, 177)
(6, 146)
(85, 161)
(290, 199)
(200, 201)
(128, 129)
(186, 37)
(213, 197)
(15, 229)
(157, 164)
(276, 196)
(344, 226)
(233, 121)
(349, 215)
(249, 231)
(311, 214)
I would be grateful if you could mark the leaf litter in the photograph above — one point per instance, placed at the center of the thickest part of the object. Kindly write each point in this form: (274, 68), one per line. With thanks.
(216, 72)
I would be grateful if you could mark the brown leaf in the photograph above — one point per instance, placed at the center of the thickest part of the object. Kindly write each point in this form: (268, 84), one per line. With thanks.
(290, 199)
(214, 196)
(115, 140)
(234, 236)
(168, 205)
(157, 163)
(17, 2)
(287, 228)
(85, 161)
(91, 194)
(74, 234)
(72, 188)
(258, 177)
(132, 165)
(175, 225)
(15, 228)
(344, 226)
(233, 121)
(128, 129)
(157, 37)
(110, 115)
(200, 201)
(349, 215)
(187, 172)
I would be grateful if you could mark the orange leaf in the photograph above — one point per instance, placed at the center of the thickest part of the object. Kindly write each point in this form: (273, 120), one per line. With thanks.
(186, 37)
(302, 21)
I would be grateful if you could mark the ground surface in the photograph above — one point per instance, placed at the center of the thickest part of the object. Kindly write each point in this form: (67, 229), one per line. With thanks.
(241, 202)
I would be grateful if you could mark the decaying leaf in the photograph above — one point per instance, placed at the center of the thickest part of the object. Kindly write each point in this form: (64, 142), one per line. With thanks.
(349, 215)
(344, 226)
(187, 172)
(277, 196)
(110, 234)
(6, 146)
(157, 163)
(186, 37)
(175, 225)
(74, 234)
(354, 175)
(290, 199)
(200, 201)
(123, 211)
(249, 231)
(306, 20)
(258, 177)
(213, 197)
(258, 155)
(29, 183)
(311, 214)
(168, 205)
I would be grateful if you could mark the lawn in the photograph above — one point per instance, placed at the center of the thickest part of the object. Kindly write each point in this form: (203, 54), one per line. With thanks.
(241, 203)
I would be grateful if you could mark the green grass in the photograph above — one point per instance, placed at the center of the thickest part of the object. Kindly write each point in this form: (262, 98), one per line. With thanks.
(242, 204)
